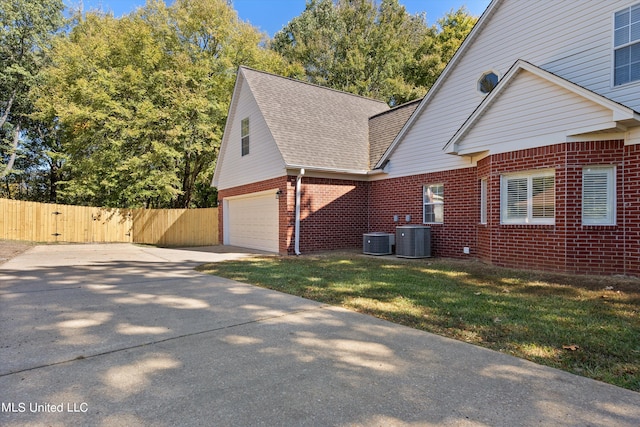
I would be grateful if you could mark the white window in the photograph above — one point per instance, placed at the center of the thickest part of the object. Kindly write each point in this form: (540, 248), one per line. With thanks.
(433, 199)
(626, 42)
(483, 201)
(244, 129)
(528, 198)
(599, 195)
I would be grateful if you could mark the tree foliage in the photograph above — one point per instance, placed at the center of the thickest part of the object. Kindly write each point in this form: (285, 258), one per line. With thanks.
(435, 52)
(376, 51)
(25, 29)
(141, 100)
(130, 111)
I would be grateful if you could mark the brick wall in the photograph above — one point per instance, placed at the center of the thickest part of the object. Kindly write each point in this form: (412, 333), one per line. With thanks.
(333, 213)
(631, 205)
(403, 196)
(567, 245)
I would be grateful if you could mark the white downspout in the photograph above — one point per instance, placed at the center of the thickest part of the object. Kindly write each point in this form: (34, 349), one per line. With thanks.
(297, 230)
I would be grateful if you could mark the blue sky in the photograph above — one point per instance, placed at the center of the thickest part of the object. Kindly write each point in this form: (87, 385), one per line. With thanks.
(271, 15)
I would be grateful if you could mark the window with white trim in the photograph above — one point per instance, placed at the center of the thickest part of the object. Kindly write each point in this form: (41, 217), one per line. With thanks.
(528, 198)
(483, 201)
(598, 195)
(626, 43)
(244, 136)
(433, 204)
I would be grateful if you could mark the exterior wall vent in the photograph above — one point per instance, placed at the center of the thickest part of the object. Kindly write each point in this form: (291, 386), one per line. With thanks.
(377, 243)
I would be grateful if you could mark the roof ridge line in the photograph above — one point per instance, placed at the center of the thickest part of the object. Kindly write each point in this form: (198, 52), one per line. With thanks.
(313, 84)
(397, 107)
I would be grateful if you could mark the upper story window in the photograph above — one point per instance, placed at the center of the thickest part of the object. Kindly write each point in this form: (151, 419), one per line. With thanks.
(626, 36)
(245, 136)
(487, 82)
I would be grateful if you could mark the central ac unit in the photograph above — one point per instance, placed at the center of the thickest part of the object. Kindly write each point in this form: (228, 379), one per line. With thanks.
(377, 243)
(413, 241)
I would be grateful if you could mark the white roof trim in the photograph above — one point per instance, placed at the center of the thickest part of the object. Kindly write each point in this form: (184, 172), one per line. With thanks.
(473, 34)
(329, 170)
(619, 111)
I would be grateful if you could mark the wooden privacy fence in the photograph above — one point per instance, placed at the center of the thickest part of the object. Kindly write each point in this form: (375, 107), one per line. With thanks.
(42, 222)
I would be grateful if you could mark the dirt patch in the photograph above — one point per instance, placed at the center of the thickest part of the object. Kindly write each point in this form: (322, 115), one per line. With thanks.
(10, 249)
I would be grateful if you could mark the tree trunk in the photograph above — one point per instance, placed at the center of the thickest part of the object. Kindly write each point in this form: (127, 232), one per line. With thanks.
(7, 110)
(14, 150)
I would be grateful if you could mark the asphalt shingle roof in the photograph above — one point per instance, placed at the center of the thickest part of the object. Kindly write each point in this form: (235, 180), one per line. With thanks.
(384, 127)
(314, 126)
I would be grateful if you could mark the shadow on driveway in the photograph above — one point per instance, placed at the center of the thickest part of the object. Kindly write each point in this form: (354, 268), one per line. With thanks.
(133, 336)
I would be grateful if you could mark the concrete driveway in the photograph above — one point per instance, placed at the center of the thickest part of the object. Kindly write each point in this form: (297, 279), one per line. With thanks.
(127, 335)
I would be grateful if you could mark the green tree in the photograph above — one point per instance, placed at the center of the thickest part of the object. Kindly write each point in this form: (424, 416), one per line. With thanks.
(141, 101)
(26, 27)
(380, 51)
(436, 51)
(354, 46)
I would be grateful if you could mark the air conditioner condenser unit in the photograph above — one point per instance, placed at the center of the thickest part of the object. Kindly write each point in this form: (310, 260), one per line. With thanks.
(377, 243)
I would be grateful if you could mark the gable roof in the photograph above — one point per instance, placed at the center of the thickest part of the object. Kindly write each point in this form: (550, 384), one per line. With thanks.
(617, 115)
(384, 127)
(314, 126)
(473, 34)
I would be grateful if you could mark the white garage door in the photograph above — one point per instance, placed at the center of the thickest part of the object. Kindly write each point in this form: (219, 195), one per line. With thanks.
(253, 221)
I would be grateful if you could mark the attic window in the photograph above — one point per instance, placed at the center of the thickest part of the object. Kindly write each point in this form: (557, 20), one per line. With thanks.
(487, 82)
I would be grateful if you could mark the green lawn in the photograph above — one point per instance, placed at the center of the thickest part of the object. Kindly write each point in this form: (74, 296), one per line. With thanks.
(535, 316)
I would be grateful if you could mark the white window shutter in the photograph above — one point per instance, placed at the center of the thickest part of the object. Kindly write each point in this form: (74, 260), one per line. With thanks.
(598, 196)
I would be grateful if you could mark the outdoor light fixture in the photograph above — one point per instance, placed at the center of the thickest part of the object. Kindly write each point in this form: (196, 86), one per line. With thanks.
(278, 193)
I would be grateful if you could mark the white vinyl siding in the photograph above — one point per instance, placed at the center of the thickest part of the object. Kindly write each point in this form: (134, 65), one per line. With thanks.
(528, 198)
(265, 162)
(598, 195)
(532, 112)
(433, 204)
(483, 201)
(580, 52)
(244, 136)
(626, 42)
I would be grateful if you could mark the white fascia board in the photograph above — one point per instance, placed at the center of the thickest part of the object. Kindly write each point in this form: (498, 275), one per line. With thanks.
(441, 79)
(327, 170)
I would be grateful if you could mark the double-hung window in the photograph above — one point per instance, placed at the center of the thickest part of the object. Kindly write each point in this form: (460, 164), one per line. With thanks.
(598, 195)
(528, 198)
(433, 204)
(626, 42)
(244, 136)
